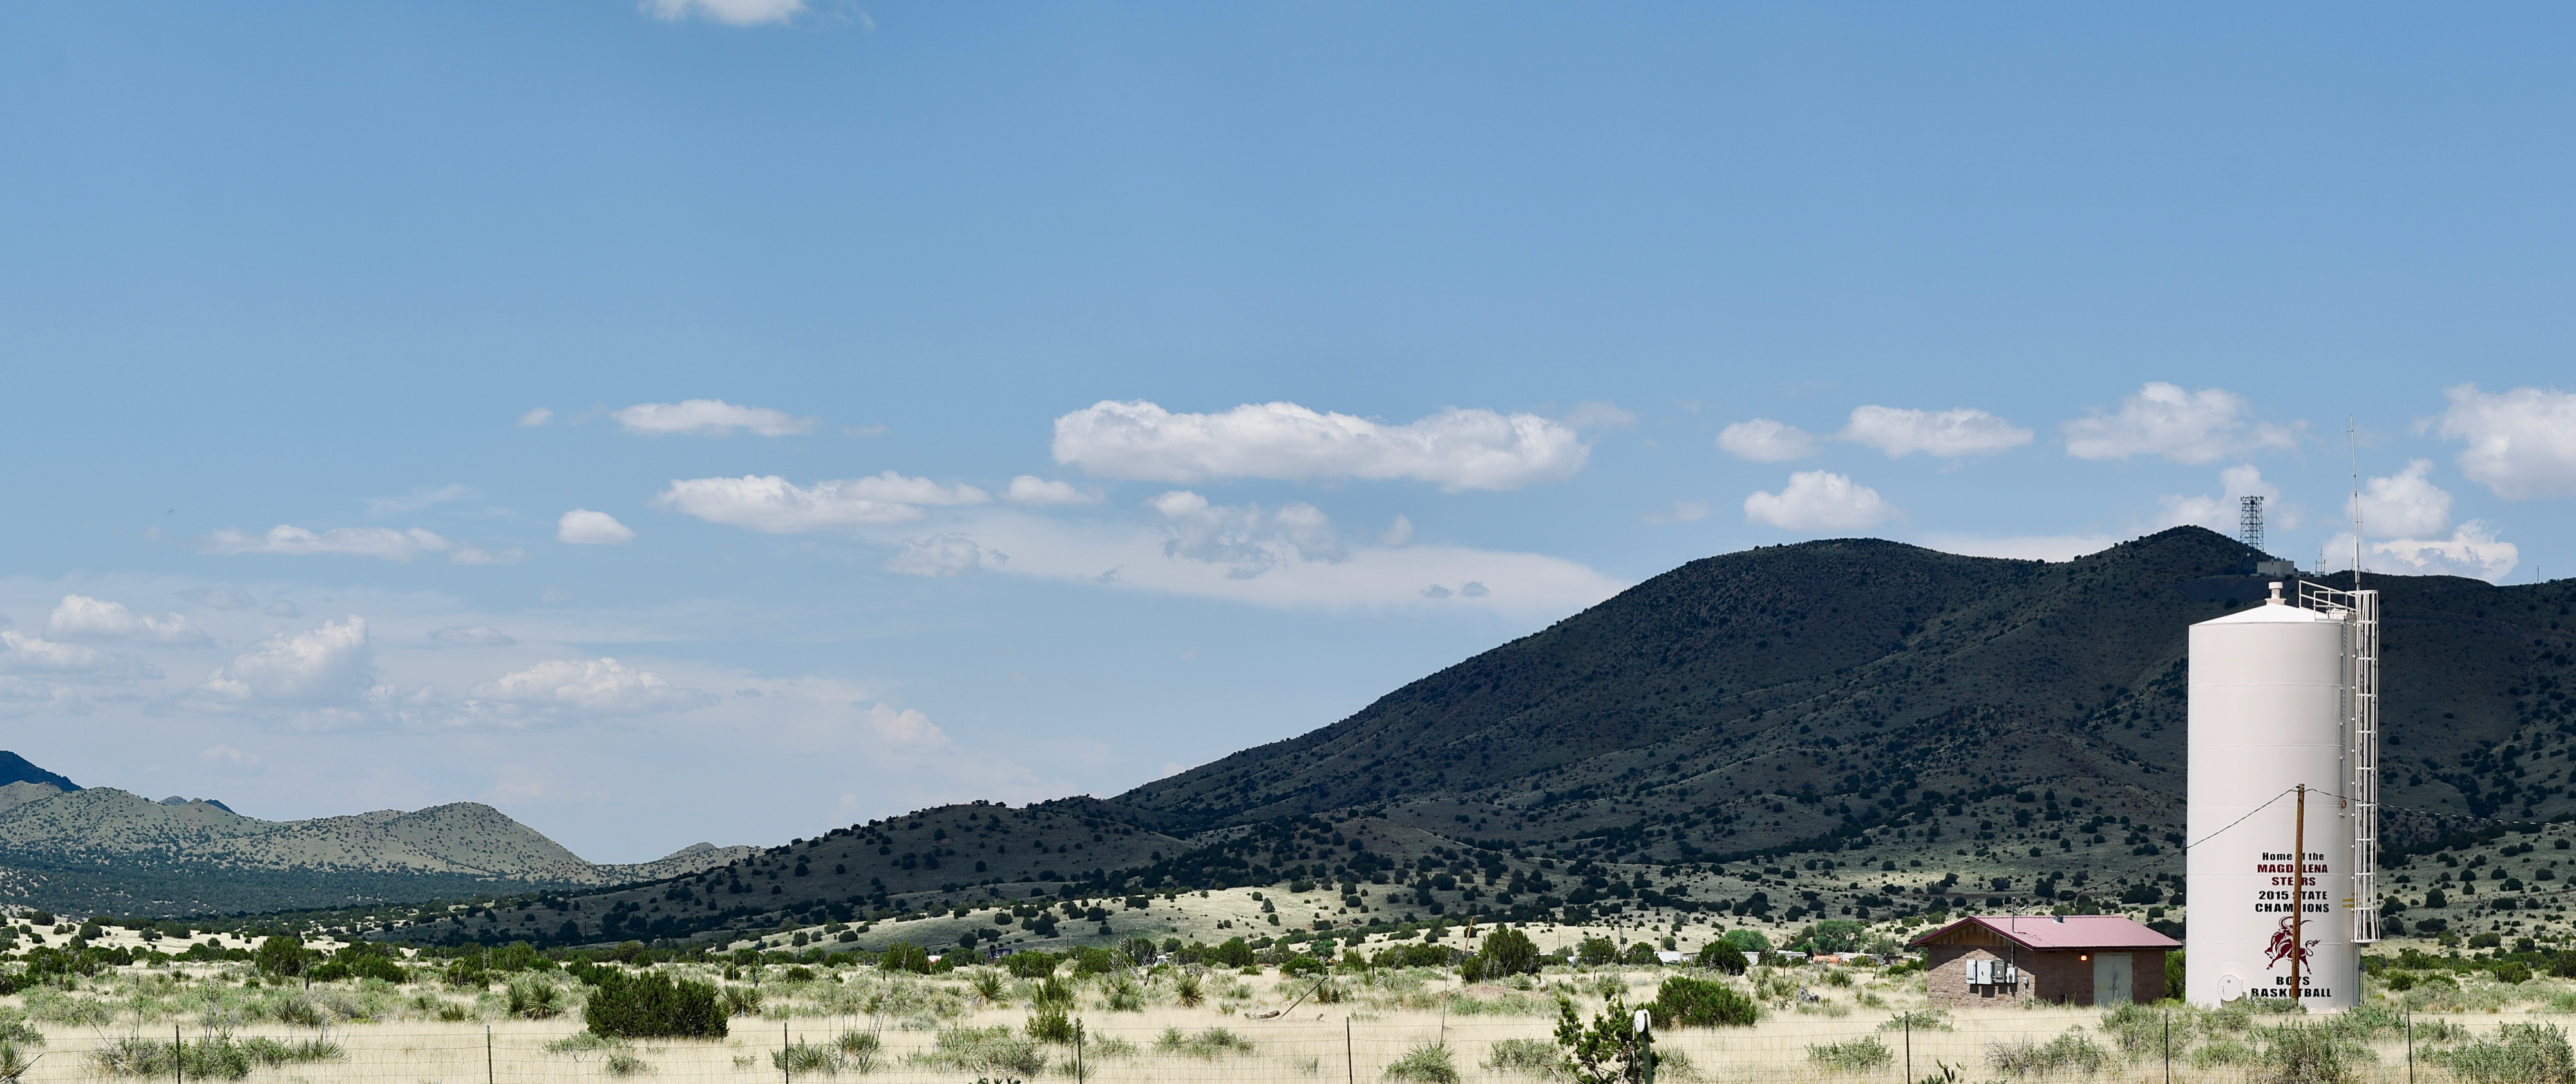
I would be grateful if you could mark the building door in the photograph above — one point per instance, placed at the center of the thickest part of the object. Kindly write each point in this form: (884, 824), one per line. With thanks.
(2113, 979)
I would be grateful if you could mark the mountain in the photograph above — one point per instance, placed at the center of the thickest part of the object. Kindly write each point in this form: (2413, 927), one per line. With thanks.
(1795, 698)
(105, 850)
(15, 769)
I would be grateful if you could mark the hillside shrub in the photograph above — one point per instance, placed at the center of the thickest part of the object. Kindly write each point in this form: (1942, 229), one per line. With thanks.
(1425, 1063)
(1031, 965)
(1506, 952)
(653, 1006)
(2517, 1054)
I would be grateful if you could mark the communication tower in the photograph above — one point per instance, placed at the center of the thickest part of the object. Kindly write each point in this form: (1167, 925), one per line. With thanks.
(2249, 522)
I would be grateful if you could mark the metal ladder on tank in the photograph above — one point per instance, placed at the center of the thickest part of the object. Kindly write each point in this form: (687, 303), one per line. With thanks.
(2359, 612)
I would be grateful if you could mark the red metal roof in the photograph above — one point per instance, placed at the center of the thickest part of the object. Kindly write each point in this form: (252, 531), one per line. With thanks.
(2061, 932)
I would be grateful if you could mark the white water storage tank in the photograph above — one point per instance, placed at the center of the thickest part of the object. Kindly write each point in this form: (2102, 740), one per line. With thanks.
(2267, 712)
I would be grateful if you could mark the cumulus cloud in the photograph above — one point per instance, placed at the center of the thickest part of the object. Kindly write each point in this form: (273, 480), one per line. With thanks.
(708, 418)
(1247, 540)
(23, 654)
(907, 727)
(2521, 443)
(1032, 490)
(2405, 505)
(601, 686)
(1765, 441)
(539, 416)
(2219, 513)
(583, 527)
(228, 758)
(219, 598)
(1816, 500)
(2472, 550)
(939, 555)
(1680, 512)
(2182, 426)
(1398, 532)
(329, 666)
(473, 635)
(1946, 433)
(1455, 449)
(728, 12)
(774, 505)
(380, 542)
(80, 617)
(1161, 554)
(284, 608)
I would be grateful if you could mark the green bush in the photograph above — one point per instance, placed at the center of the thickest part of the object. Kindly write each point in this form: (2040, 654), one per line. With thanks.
(2068, 1051)
(1701, 1003)
(1532, 1056)
(1596, 951)
(905, 956)
(1722, 957)
(2518, 1054)
(1032, 964)
(1507, 952)
(1426, 1063)
(1855, 1055)
(2299, 1053)
(282, 955)
(653, 1006)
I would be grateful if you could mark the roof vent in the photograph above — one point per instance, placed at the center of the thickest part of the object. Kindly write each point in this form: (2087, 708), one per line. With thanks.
(2061, 919)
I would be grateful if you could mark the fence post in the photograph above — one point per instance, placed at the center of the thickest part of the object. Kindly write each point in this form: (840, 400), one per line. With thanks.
(488, 1071)
(1351, 1063)
(1078, 1036)
(178, 1055)
(2168, 1045)
(2410, 1048)
(786, 1061)
(1909, 1047)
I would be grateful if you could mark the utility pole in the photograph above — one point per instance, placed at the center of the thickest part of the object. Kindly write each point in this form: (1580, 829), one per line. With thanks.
(2299, 885)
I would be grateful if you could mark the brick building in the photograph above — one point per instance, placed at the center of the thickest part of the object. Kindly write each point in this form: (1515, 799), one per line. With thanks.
(2070, 959)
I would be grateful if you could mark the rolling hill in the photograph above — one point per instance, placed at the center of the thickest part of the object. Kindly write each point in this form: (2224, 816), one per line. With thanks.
(104, 850)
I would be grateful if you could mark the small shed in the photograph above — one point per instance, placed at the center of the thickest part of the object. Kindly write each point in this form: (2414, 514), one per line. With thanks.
(2098, 960)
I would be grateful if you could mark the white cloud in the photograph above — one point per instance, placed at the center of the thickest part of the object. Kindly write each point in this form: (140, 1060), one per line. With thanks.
(23, 654)
(1599, 416)
(79, 617)
(1397, 533)
(1947, 433)
(595, 686)
(474, 635)
(2472, 551)
(1245, 539)
(1455, 449)
(583, 527)
(728, 12)
(382, 542)
(539, 416)
(2219, 513)
(2062, 547)
(284, 608)
(228, 757)
(1816, 500)
(1765, 441)
(219, 598)
(939, 555)
(907, 728)
(417, 500)
(2182, 426)
(2406, 505)
(708, 418)
(331, 665)
(1033, 490)
(774, 505)
(1680, 512)
(2521, 444)
(1145, 557)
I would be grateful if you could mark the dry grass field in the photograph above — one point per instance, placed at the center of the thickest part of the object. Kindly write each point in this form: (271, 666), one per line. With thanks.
(1174, 1024)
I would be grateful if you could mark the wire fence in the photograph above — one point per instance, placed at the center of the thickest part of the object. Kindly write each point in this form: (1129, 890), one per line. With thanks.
(1971, 1048)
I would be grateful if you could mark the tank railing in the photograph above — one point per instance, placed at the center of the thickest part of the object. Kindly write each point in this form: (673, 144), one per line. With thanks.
(2359, 611)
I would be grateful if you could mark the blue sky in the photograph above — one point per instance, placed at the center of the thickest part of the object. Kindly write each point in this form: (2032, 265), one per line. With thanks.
(1233, 365)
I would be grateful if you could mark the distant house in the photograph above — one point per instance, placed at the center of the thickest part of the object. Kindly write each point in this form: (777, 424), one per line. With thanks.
(2095, 960)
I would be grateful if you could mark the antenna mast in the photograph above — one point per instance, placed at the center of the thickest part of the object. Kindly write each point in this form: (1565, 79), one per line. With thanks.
(2352, 442)
(2249, 523)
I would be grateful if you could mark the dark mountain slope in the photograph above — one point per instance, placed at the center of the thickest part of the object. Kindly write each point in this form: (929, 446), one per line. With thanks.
(1798, 696)
(16, 769)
